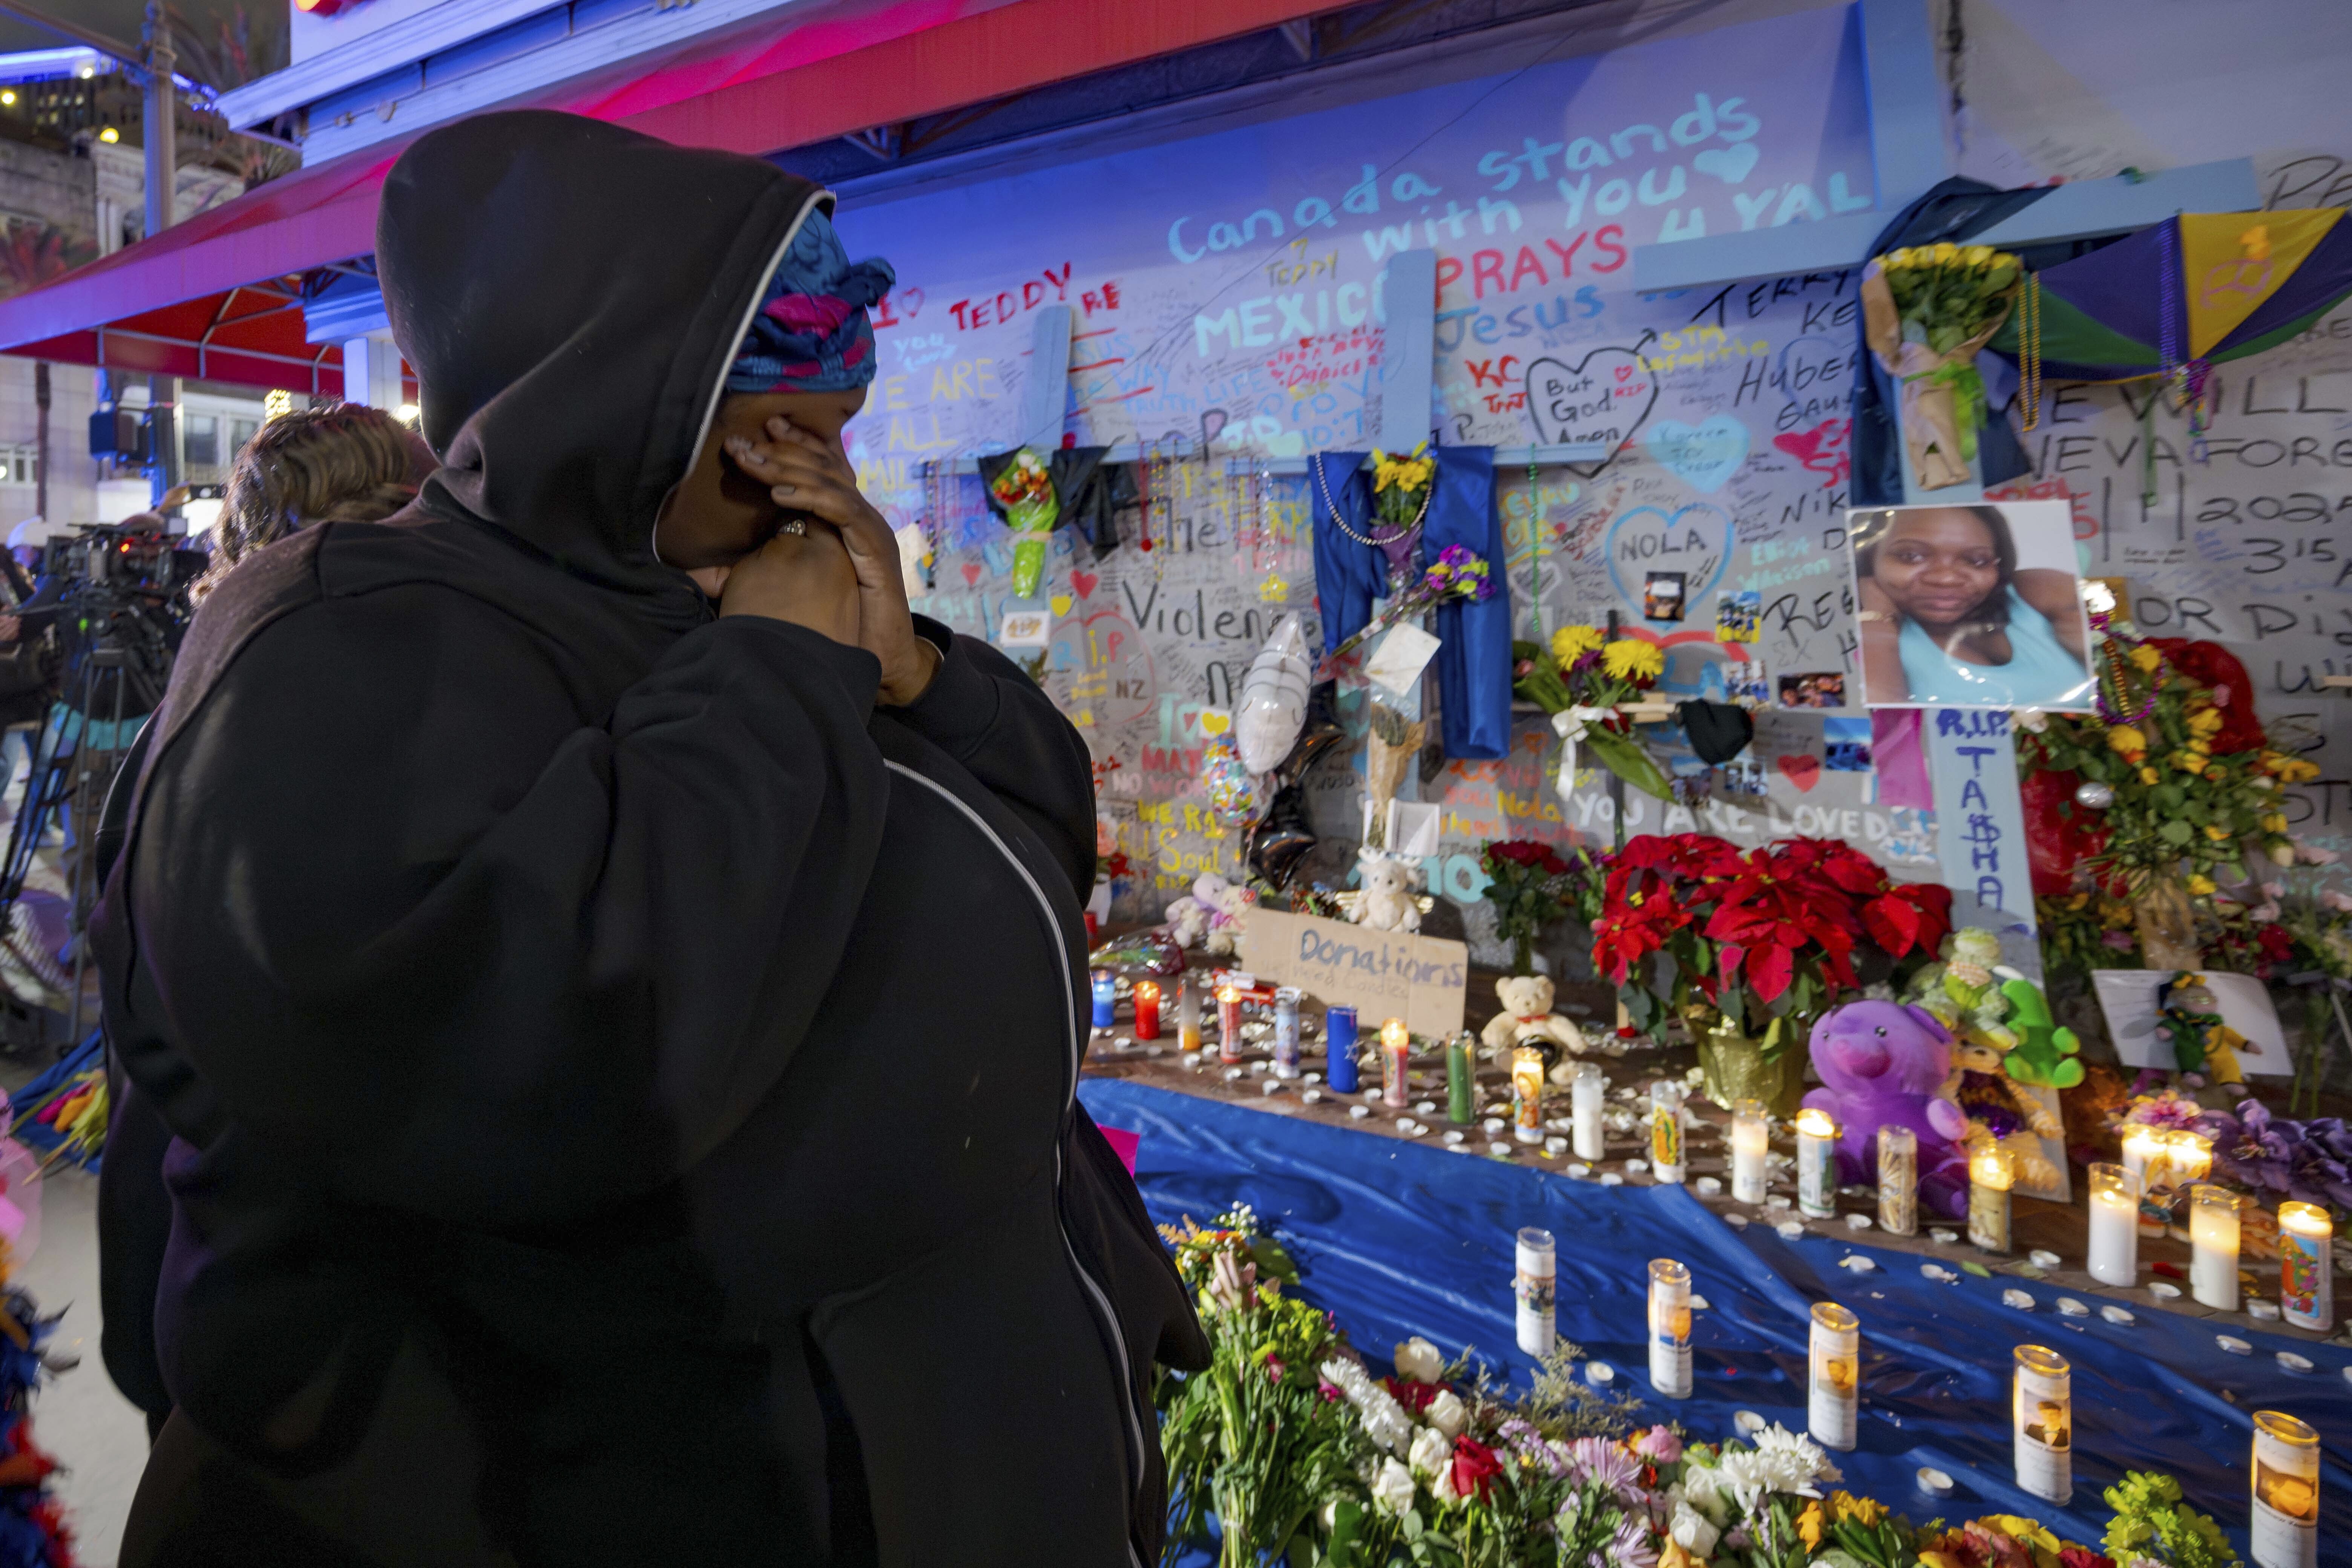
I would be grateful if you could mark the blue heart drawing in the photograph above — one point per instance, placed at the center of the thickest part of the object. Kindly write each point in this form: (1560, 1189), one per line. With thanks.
(1704, 456)
(1731, 164)
(1694, 540)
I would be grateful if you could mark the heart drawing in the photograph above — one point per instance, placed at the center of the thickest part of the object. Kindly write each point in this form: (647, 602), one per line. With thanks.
(1731, 164)
(1603, 399)
(1704, 456)
(1083, 581)
(1801, 771)
(971, 569)
(1821, 449)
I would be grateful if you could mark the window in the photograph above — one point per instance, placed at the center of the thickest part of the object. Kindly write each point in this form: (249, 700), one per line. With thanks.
(20, 466)
(200, 443)
(240, 431)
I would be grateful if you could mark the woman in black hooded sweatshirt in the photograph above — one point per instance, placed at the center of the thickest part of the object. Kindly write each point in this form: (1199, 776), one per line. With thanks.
(621, 1058)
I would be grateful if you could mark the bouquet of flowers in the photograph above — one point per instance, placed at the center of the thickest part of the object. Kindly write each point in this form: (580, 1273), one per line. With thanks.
(1530, 886)
(1401, 487)
(1580, 680)
(1926, 312)
(1458, 575)
(1025, 491)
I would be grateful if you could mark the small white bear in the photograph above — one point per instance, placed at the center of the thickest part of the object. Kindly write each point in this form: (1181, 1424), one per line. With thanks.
(1387, 903)
(1210, 916)
(1526, 1016)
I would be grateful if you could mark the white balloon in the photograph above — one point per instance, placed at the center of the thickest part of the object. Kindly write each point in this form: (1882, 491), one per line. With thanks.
(1273, 707)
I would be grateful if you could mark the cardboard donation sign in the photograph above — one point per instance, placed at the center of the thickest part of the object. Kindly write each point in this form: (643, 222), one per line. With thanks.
(1381, 974)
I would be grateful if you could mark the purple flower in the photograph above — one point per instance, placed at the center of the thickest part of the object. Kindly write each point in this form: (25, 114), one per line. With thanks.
(1599, 1459)
(1632, 1548)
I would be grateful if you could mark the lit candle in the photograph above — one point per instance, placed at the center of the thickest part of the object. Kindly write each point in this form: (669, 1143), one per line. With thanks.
(1585, 1094)
(1106, 993)
(1188, 1014)
(1396, 1055)
(2284, 1529)
(1462, 1078)
(2145, 1149)
(1286, 1031)
(2041, 1407)
(1817, 1137)
(1991, 1169)
(2115, 1226)
(1670, 1326)
(1339, 1048)
(1527, 1094)
(2306, 1254)
(1147, 1010)
(1666, 1156)
(2213, 1228)
(1836, 1355)
(1752, 1142)
(1538, 1269)
(2187, 1158)
(1229, 1024)
(1898, 1180)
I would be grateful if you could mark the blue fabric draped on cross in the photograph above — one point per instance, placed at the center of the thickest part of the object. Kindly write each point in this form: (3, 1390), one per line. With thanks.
(1474, 658)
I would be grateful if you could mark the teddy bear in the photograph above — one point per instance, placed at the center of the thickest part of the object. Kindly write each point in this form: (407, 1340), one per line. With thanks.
(1387, 903)
(1884, 1064)
(1971, 993)
(1526, 1017)
(2001, 1110)
(1210, 916)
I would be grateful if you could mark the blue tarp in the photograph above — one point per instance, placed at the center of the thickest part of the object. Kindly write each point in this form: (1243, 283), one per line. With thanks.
(1400, 1238)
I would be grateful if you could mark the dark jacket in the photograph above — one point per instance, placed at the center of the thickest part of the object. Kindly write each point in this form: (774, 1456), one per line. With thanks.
(622, 1079)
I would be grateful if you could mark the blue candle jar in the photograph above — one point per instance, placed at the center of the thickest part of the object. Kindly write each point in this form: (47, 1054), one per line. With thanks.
(1105, 989)
(1339, 1042)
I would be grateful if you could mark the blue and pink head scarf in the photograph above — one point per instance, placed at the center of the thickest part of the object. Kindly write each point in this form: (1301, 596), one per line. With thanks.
(811, 332)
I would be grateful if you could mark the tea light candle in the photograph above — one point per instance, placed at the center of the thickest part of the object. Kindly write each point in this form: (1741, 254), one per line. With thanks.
(2284, 1529)
(1286, 1031)
(1991, 1169)
(1339, 1048)
(2041, 1410)
(2115, 1226)
(1147, 1010)
(1527, 1094)
(1817, 1137)
(1538, 1269)
(1462, 1078)
(1667, 1155)
(1396, 1056)
(1836, 1359)
(1670, 1325)
(1106, 993)
(2307, 1257)
(1898, 1180)
(1585, 1096)
(2213, 1228)
(1229, 1024)
(1751, 1140)
(1188, 1014)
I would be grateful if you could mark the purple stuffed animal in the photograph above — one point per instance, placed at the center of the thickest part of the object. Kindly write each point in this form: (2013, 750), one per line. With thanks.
(1881, 1064)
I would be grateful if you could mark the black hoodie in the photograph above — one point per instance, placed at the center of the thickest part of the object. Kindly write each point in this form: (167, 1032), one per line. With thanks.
(622, 1079)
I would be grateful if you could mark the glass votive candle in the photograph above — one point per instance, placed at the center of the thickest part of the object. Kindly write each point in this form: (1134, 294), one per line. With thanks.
(1187, 1014)
(2283, 1527)
(1817, 1137)
(2187, 1157)
(1585, 1106)
(1667, 1155)
(2115, 1226)
(1396, 1058)
(1898, 1180)
(1229, 1024)
(1147, 1009)
(1106, 996)
(1339, 1048)
(2306, 1258)
(1286, 1031)
(1751, 1144)
(1527, 1094)
(1991, 1172)
(1536, 1288)
(2143, 1153)
(1670, 1326)
(1462, 1078)
(2214, 1238)
(2043, 1401)
(1836, 1364)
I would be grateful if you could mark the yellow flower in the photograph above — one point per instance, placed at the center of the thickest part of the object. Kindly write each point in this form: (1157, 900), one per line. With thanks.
(2216, 833)
(2189, 762)
(1571, 641)
(2125, 741)
(1978, 255)
(2028, 1532)
(2148, 775)
(1946, 253)
(1846, 1507)
(1630, 659)
(2290, 770)
(2202, 747)
(2274, 823)
(2200, 886)
(2205, 721)
(2146, 657)
(1896, 260)
(1809, 1526)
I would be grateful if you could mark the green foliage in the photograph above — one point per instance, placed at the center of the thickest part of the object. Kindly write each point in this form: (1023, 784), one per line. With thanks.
(2152, 1521)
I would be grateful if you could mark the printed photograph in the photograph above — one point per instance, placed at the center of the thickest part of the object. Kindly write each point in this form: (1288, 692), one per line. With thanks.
(1746, 683)
(1971, 607)
(1662, 597)
(1845, 746)
(1739, 614)
(1824, 688)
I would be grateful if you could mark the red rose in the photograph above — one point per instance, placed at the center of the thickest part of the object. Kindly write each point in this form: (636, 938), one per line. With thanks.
(1475, 1468)
(1413, 1397)
(2083, 1557)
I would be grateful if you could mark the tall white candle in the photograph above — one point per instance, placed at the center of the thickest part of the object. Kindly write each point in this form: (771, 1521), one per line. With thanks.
(1668, 1158)
(2307, 1263)
(2213, 1228)
(2115, 1226)
(2146, 1155)
(1898, 1180)
(1752, 1142)
(2283, 1527)
(1817, 1137)
(1992, 1171)
(1586, 1108)
(1527, 1094)
(1670, 1326)
(1836, 1361)
(2041, 1410)
(1538, 1269)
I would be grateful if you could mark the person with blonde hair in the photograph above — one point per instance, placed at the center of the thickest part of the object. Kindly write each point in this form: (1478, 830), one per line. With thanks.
(333, 462)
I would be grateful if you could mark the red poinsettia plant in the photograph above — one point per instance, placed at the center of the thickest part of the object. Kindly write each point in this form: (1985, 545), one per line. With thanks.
(1774, 928)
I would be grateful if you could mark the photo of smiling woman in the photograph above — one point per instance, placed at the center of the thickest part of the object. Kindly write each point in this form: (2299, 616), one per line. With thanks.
(1972, 606)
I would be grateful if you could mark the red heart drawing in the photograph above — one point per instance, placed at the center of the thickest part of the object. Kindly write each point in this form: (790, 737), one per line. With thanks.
(910, 300)
(1083, 581)
(1802, 772)
(1821, 450)
(970, 572)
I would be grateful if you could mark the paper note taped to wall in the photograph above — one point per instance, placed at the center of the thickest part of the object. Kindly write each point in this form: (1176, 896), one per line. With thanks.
(1383, 974)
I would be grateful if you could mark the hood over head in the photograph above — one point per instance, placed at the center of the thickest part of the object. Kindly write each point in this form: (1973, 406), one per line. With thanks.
(572, 295)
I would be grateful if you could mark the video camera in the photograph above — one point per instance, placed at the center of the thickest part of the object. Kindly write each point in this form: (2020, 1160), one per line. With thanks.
(127, 559)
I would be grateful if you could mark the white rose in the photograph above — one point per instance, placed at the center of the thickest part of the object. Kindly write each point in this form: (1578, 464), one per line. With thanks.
(1431, 1453)
(1448, 1414)
(1692, 1531)
(1419, 1359)
(1392, 1488)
